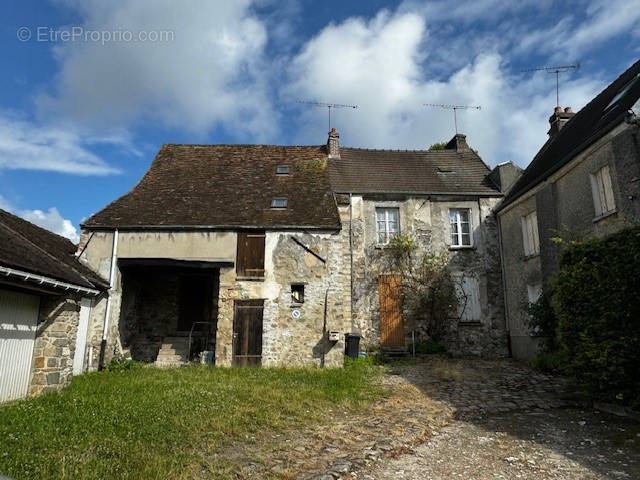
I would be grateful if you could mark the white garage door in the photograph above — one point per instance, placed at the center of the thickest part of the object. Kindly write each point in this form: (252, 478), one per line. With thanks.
(18, 321)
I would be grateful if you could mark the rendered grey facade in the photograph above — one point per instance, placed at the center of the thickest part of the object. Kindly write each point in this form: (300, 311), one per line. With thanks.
(590, 191)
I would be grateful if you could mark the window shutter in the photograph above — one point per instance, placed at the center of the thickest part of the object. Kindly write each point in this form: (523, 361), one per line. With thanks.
(250, 256)
(608, 189)
(525, 236)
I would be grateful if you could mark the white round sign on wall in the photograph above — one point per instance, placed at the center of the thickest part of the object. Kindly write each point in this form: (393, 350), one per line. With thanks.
(296, 313)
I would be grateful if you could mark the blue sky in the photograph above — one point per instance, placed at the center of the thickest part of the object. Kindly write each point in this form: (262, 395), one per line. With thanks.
(82, 116)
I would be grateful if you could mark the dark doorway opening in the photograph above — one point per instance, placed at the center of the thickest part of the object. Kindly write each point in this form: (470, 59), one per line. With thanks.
(194, 301)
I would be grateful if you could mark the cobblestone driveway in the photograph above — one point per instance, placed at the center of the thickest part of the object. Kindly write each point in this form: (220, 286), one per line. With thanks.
(450, 418)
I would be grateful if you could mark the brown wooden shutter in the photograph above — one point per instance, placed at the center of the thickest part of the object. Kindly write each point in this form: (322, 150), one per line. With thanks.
(250, 257)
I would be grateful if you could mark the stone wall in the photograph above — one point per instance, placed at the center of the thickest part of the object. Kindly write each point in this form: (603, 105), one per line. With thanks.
(288, 341)
(426, 219)
(55, 343)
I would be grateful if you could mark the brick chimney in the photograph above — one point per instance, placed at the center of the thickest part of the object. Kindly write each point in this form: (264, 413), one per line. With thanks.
(558, 119)
(333, 145)
(458, 142)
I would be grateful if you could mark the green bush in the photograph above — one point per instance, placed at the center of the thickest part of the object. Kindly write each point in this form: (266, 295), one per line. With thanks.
(552, 362)
(543, 320)
(429, 347)
(598, 308)
(120, 363)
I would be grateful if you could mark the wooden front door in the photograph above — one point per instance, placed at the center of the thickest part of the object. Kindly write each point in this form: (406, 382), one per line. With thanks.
(247, 332)
(391, 325)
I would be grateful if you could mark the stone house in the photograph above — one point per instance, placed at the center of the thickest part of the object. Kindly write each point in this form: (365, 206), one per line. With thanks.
(444, 200)
(45, 299)
(235, 249)
(583, 183)
(263, 254)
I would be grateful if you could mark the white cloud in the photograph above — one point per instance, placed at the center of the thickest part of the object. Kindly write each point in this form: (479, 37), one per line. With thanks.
(380, 65)
(32, 146)
(50, 220)
(53, 221)
(211, 72)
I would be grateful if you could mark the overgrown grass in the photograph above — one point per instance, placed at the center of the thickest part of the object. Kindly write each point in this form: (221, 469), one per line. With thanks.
(146, 423)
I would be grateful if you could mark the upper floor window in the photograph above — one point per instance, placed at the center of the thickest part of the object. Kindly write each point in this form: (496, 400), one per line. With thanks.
(282, 170)
(387, 224)
(460, 223)
(602, 191)
(530, 237)
(250, 255)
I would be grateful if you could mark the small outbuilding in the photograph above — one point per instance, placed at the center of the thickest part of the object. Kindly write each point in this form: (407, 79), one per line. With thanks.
(45, 298)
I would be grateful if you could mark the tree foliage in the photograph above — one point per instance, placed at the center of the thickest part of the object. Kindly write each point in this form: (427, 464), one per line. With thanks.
(430, 293)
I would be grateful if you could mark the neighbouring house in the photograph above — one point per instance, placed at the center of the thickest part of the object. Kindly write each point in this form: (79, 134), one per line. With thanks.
(444, 200)
(234, 249)
(45, 299)
(583, 183)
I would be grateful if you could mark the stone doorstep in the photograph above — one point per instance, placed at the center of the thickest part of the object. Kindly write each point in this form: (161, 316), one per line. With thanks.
(171, 358)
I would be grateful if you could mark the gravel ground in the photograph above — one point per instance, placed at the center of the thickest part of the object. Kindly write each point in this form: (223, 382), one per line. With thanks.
(552, 444)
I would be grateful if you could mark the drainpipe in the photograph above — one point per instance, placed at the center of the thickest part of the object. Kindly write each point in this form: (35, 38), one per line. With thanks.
(114, 257)
(351, 255)
(504, 284)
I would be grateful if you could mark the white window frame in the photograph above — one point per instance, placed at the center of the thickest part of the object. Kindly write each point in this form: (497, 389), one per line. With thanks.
(602, 190)
(458, 235)
(530, 237)
(387, 222)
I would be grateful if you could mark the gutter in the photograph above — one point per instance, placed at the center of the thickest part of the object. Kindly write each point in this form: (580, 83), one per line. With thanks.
(328, 228)
(51, 282)
(105, 330)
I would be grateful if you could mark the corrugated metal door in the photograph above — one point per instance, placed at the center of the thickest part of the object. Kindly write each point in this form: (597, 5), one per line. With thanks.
(18, 322)
(391, 324)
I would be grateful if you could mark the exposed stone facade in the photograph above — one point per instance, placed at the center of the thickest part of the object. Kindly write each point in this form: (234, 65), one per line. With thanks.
(54, 347)
(286, 341)
(426, 218)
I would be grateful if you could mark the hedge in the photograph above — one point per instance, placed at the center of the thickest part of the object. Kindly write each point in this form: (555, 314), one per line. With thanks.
(598, 309)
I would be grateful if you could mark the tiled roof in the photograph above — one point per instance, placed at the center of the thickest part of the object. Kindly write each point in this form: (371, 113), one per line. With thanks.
(592, 122)
(227, 186)
(27, 247)
(447, 171)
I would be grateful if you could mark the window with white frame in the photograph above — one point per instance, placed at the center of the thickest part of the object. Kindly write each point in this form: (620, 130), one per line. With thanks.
(530, 237)
(387, 224)
(602, 191)
(460, 225)
(468, 292)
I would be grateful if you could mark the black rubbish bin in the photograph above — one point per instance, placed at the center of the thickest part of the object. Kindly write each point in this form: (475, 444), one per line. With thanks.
(352, 345)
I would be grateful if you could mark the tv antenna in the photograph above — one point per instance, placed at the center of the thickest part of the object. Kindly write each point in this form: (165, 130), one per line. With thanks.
(455, 108)
(557, 70)
(328, 105)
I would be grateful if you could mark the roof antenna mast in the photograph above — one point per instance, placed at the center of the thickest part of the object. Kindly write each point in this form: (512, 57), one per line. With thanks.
(455, 108)
(557, 70)
(328, 105)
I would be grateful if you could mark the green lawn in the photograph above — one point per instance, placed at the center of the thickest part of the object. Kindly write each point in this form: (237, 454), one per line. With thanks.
(147, 423)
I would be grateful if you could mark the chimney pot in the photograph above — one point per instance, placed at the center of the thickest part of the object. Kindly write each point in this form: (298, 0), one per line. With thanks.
(558, 119)
(333, 144)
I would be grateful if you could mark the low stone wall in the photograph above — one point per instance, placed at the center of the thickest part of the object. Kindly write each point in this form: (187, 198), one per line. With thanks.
(55, 344)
